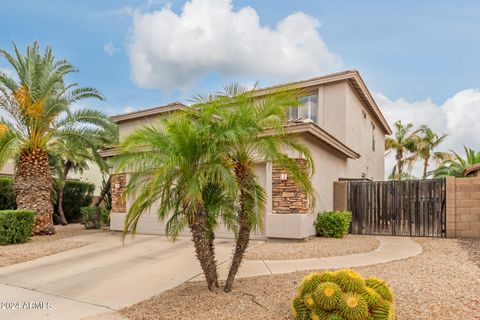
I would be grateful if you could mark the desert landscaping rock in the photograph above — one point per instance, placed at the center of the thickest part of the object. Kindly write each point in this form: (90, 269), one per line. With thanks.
(441, 283)
(315, 247)
(472, 246)
(41, 246)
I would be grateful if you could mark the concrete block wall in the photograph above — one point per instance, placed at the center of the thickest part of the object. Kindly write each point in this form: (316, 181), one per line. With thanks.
(463, 207)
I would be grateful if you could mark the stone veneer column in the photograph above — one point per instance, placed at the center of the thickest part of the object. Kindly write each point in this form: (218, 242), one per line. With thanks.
(119, 183)
(286, 195)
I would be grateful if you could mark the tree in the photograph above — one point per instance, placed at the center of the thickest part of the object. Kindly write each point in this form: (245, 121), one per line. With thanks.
(428, 141)
(405, 145)
(73, 154)
(179, 164)
(260, 123)
(455, 167)
(37, 105)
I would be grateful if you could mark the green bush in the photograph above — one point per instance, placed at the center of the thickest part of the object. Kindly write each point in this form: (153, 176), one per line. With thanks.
(333, 224)
(15, 226)
(91, 217)
(76, 195)
(343, 294)
(106, 217)
(7, 196)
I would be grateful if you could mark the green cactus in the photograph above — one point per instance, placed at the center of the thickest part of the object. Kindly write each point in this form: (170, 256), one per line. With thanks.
(353, 307)
(371, 297)
(384, 311)
(299, 309)
(382, 288)
(349, 280)
(327, 276)
(310, 283)
(347, 297)
(309, 301)
(327, 295)
(318, 314)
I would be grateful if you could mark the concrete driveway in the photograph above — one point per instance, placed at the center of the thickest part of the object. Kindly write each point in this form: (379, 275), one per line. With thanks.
(98, 278)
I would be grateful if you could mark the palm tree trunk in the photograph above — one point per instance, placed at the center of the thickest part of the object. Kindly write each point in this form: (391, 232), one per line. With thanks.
(242, 245)
(32, 185)
(425, 168)
(203, 250)
(104, 192)
(61, 213)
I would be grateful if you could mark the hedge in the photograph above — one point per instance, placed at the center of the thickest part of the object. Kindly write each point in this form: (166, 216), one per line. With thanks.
(77, 194)
(333, 223)
(15, 226)
(7, 197)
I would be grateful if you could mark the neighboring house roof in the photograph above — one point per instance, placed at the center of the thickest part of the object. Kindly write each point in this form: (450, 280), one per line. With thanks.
(471, 170)
(355, 80)
(148, 112)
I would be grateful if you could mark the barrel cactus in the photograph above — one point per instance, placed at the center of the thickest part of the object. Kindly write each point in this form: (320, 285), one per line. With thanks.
(343, 295)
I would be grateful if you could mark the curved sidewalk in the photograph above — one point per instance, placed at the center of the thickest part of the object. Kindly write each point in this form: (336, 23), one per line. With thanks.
(390, 249)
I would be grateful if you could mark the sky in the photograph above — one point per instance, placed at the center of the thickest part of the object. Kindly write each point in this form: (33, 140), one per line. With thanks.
(420, 59)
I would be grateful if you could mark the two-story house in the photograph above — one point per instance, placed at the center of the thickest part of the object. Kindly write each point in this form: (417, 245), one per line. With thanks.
(340, 123)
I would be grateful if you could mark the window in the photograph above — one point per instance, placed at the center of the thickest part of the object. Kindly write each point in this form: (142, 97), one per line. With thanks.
(307, 110)
(373, 137)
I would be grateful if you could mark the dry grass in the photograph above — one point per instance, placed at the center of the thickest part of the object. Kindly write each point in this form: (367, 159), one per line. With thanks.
(314, 247)
(439, 284)
(41, 246)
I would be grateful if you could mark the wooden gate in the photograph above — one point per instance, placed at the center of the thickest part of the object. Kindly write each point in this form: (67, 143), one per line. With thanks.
(401, 208)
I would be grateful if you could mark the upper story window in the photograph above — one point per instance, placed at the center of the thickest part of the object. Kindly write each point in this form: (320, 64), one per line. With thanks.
(307, 111)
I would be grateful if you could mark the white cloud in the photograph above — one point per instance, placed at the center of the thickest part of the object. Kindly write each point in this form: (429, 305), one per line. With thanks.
(128, 109)
(458, 116)
(109, 48)
(170, 50)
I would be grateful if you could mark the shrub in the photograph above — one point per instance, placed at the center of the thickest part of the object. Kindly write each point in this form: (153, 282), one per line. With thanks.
(15, 226)
(106, 217)
(333, 223)
(76, 195)
(91, 217)
(343, 294)
(7, 196)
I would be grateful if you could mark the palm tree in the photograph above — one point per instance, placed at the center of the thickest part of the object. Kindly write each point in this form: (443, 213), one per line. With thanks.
(261, 123)
(37, 103)
(428, 141)
(405, 145)
(178, 164)
(79, 154)
(455, 167)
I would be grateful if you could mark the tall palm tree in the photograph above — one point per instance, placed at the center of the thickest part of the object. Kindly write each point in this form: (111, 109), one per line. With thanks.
(37, 103)
(404, 143)
(428, 141)
(178, 164)
(455, 167)
(263, 138)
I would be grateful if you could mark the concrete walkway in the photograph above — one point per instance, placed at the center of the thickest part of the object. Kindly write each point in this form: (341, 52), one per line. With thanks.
(94, 281)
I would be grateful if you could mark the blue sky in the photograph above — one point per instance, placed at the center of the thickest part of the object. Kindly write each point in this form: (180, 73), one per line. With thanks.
(410, 49)
(420, 59)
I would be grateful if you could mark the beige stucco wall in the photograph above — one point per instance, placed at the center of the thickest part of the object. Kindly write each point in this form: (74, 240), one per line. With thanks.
(8, 168)
(332, 104)
(127, 127)
(359, 138)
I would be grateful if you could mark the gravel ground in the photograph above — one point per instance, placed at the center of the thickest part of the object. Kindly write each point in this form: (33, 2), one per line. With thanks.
(314, 247)
(472, 246)
(439, 284)
(41, 246)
